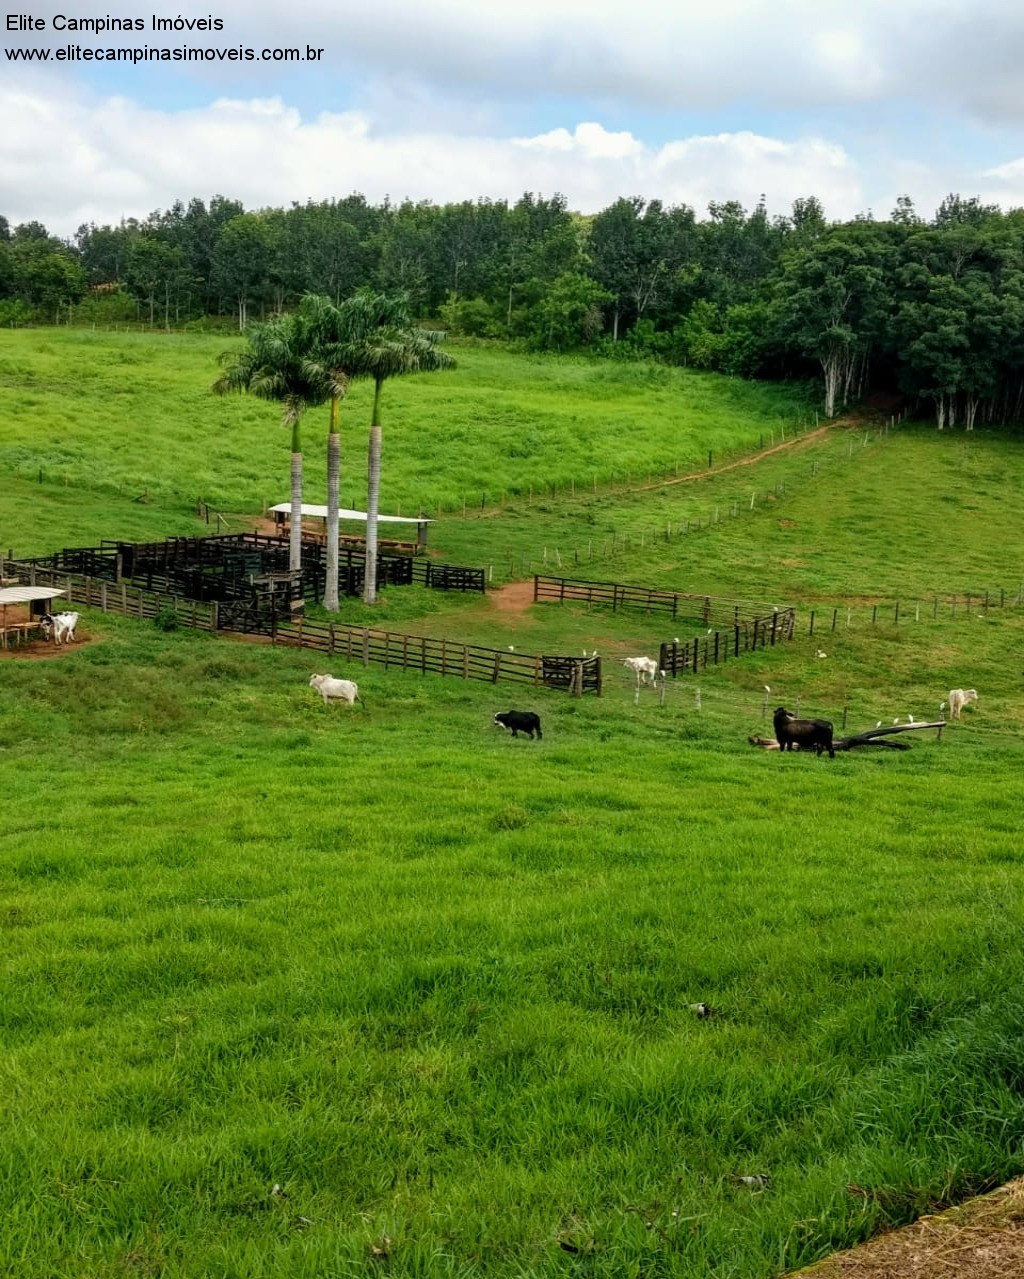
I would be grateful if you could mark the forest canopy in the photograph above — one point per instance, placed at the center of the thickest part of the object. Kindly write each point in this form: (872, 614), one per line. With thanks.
(928, 309)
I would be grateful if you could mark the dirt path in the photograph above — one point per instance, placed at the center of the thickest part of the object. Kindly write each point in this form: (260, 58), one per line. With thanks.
(982, 1239)
(798, 441)
(513, 599)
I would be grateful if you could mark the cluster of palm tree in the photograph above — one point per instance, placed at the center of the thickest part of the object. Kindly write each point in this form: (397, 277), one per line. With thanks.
(307, 359)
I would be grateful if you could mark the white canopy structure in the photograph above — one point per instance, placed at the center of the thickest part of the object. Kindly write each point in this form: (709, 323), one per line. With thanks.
(26, 594)
(320, 513)
(282, 512)
(19, 630)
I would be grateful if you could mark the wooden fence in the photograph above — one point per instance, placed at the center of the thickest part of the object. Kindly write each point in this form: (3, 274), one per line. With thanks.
(389, 649)
(120, 597)
(441, 656)
(731, 626)
(683, 606)
(235, 566)
(721, 645)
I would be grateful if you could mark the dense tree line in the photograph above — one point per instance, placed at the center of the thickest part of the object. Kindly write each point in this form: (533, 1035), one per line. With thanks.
(929, 309)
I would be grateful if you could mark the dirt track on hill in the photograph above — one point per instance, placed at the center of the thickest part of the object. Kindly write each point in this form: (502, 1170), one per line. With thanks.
(798, 441)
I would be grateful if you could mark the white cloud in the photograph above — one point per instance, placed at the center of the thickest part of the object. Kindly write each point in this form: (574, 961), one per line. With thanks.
(66, 161)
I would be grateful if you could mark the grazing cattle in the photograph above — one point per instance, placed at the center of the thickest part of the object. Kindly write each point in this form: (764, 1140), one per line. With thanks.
(804, 734)
(60, 625)
(520, 722)
(642, 667)
(339, 690)
(958, 699)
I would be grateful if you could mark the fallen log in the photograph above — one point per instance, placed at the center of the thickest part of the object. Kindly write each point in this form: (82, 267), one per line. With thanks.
(876, 736)
(872, 737)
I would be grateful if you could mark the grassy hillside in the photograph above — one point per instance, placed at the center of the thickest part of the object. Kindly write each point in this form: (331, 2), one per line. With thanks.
(435, 985)
(134, 413)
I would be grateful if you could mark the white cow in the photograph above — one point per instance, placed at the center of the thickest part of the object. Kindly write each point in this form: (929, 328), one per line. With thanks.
(958, 699)
(60, 625)
(329, 688)
(642, 668)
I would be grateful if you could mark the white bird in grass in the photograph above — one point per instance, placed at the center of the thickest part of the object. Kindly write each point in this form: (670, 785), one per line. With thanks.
(910, 719)
(511, 648)
(896, 720)
(820, 653)
(767, 689)
(879, 724)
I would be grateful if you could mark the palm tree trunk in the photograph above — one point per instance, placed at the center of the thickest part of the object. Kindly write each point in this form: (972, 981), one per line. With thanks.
(372, 500)
(295, 541)
(331, 601)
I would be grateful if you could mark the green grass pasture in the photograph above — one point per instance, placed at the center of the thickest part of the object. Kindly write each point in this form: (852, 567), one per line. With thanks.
(132, 413)
(434, 985)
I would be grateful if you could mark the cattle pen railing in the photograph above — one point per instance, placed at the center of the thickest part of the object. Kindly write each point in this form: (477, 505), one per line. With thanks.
(390, 649)
(678, 657)
(119, 597)
(729, 627)
(230, 565)
(442, 656)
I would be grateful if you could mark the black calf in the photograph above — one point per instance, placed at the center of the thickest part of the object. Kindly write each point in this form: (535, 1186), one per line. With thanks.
(520, 722)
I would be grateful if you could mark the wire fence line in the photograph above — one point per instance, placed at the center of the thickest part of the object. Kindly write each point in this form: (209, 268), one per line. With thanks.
(756, 707)
(615, 545)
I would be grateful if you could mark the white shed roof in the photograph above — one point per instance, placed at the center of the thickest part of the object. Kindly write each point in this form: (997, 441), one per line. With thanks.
(320, 513)
(26, 594)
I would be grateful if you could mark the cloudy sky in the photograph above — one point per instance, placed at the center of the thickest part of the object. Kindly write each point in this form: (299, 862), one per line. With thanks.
(856, 102)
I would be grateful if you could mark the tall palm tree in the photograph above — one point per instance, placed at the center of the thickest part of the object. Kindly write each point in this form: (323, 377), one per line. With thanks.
(278, 364)
(324, 329)
(391, 348)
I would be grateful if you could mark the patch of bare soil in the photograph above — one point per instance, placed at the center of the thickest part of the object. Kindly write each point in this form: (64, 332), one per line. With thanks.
(514, 599)
(982, 1239)
(40, 650)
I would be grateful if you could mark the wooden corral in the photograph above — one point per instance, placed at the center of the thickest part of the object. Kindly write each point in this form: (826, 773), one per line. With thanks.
(367, 645)
(729, 627)
(243, 568)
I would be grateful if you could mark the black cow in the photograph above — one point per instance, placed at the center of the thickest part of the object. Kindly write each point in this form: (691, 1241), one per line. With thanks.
(519, 722)
(805, 734)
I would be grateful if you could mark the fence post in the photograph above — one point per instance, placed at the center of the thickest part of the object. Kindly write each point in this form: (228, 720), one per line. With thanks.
(366, 646)
(811, 631)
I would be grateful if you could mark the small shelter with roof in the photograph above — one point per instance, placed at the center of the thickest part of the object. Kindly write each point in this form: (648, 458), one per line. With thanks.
(21, 607)
(317, 516)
